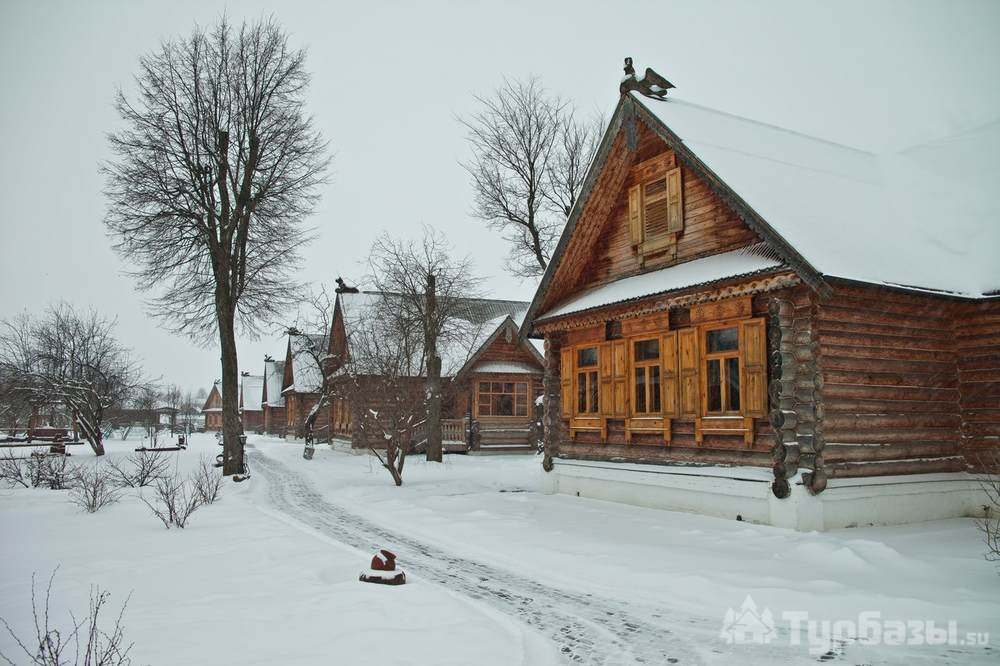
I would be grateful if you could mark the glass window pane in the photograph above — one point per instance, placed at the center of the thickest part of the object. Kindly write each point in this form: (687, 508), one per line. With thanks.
(581, 393)
(505, 405)
(647, 350)
(733, 384)
(496, 387)
(723, 339)
(714, 386)
(640, 390)
(654, 388)
(484, 387)
(586, 358)
(508, 387)
(521, 387)
(594, 403)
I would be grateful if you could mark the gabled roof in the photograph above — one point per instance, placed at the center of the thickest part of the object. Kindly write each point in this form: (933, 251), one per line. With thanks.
(214, 396)
(489, 334)
(926, 217)
(273, 374)
(301, 367)
(481, 317)
(252, 390)
(923, 218)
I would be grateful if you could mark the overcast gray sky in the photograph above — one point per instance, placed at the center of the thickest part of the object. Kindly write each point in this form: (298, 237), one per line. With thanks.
(389, 79)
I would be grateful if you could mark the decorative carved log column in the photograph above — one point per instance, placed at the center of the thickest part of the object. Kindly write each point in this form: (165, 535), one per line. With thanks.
(552, 398)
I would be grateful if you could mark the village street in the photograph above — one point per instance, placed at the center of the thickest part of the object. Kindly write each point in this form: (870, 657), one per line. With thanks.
(646, 593)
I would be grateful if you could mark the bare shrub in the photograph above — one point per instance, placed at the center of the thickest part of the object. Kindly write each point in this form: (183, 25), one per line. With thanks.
(60, 475)
(207, 482)
(140, 469)
(989, 525)
(36, 467)
(12, 471)
(174, 500)
(95, 488)
(81, 643)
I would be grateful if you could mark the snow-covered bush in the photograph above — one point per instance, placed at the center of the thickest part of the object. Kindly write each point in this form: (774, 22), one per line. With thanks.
(990, 523)
(207, 481)
(141, 469)
(95, 488)
(12, 471)
(79, 643)
(174, 500)
(59, 474)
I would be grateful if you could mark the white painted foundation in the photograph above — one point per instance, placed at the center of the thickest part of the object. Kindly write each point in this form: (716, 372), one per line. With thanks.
(728, 492)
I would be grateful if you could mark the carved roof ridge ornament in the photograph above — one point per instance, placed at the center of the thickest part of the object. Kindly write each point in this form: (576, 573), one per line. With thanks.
(651, 84)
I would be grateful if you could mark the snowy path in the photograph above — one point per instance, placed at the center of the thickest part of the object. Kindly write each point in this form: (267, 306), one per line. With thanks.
(588, 629)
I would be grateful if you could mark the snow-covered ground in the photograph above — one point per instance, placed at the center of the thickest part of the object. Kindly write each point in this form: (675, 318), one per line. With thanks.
(500, 573)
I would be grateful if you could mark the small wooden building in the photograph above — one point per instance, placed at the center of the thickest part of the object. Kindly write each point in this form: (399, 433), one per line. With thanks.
(302, 381)
(251, 402)
(491, 375)
(746, 321)
(212, 410)
(272, 402)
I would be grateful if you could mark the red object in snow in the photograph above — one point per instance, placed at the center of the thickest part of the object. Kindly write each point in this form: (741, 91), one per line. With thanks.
(384, 561)
(383, 570)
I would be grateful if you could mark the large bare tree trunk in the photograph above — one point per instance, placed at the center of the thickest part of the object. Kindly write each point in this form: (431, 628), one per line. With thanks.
(434, 448)
(232, 452)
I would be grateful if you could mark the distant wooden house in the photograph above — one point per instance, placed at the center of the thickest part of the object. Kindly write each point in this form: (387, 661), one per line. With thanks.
(272, 402)
(251, 402)
(302, 380)
(746, 321)
(491, 376)
(212, 410)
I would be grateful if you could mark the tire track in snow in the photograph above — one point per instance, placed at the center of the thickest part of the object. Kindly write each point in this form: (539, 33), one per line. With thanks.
(587, 629)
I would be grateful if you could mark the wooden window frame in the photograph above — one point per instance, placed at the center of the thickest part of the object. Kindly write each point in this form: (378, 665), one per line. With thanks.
(634, 366)
(513, 398)
(722, 357)
(649, 173)
(592, 382)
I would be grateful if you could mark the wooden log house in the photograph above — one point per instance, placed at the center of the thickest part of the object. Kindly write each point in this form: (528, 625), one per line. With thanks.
(746, 321)
(302, 381)
(251, 403)
(272, 402)
(491, 376)
(212, 409)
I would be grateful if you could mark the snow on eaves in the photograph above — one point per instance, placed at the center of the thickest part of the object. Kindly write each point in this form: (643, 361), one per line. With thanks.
(274, 372)
(507, 367)
(306, 374)
(925, 218)
(737, 263)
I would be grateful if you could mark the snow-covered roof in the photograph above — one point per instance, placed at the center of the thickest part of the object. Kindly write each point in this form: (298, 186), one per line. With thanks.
(507, 367)
(479, 319)
(306, 374)
(253, 390)
(925, 217)
(274, 372)
(737, 263)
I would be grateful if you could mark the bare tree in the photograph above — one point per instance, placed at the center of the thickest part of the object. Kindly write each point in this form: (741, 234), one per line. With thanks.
(312, 329)
(215, 170)
(70, 358)
(530, 156)
(432, 289)
(381, 378)
(174, 500)
(81, 643)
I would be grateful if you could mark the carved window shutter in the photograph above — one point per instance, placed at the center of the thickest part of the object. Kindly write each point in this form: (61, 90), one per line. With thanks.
(753, 349)
(620, 377)
(687, 357)
(566, 381)
(655, 209)
(668, 375)
(605, 364)
(635, 213)
(675, 201)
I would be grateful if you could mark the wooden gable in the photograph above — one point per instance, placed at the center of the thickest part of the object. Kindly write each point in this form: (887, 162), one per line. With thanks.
(507, 347)
(602, 247)
(288, 377)
(214, 399)
(337, 347)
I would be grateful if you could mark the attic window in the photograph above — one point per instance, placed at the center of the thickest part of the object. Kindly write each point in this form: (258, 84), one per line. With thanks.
(656, 211)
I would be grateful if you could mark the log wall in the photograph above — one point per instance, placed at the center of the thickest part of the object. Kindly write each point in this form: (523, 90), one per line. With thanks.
(977, 338)
(890, 383)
